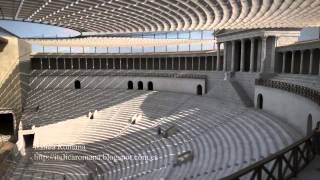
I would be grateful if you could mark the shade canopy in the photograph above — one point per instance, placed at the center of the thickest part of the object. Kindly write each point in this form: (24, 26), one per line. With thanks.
(123, 16)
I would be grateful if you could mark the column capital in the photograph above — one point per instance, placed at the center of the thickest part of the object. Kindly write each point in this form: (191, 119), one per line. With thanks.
(252, 54)
(264, 38)
(242, 63)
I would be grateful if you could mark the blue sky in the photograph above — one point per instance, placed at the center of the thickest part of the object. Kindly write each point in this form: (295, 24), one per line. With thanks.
(24, 29)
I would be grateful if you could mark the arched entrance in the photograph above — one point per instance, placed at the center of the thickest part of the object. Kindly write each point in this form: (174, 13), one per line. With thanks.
(260, 101)
(309, 124)
(150, 86)
(7, 124)
(28, 140)
(130, 85)
(199, 90)
(77, 84)
(140, 85)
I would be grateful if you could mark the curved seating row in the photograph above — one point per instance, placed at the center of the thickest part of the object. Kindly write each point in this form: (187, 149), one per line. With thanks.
(224, 137)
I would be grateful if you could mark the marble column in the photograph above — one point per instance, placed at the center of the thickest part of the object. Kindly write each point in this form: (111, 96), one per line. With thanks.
(319, 66)
(301, 61)
(225, 56)
(41, 66)
(252, 55)
(263, 53)
(133, 64)
(284, 62)
(233, 53)
(292, 62)
(242, 64)
(127, 63)
(218, 68)
(206, 63)
(311, 62)
(212, 64)
(192, 63)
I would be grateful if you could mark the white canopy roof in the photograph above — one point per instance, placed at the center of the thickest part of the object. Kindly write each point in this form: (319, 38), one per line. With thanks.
(118, 16)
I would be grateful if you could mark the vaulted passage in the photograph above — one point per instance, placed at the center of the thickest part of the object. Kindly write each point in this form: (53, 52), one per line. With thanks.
(6, 124)
(260, 101)
(150, 86)
(28, 140)
(130, 85)
(77, 84)
(199, 90)
(140, 85)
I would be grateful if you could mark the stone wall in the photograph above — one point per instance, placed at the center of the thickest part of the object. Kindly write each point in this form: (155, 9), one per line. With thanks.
(247, 82)
(184, 85)
(13, 59)
(291, 108)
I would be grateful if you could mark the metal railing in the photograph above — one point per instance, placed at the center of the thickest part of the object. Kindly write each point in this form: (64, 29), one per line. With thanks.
(282, 165)
(306, 92)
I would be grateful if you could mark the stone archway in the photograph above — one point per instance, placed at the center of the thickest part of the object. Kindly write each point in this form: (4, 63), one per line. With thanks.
(309, 124)
(140, 85)
(260, 101)
(150, 86)
(130, 85)
(7, 124)
(199, 90)
(28, 140)
(77, 84)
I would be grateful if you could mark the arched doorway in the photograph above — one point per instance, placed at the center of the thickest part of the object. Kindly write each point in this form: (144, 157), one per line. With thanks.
(7, 124)
(150, 86)
(140, 85)
(309, 124)
(199, 90)
(260, 101)
(130, 85)
(28, 140)
(77, 84)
